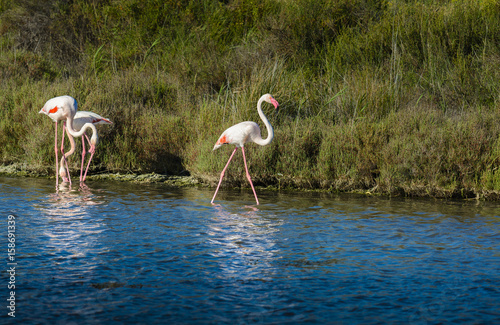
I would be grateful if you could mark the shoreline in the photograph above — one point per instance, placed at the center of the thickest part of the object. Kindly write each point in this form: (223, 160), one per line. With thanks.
(16, 170)
(170, 180)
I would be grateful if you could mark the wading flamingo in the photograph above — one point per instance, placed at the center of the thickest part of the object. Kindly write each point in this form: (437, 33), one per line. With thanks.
(56, 115)
(244, 132)
(82, 118)
(63, 108)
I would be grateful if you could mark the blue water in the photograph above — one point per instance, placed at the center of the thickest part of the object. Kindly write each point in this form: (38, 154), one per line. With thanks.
(118, 253)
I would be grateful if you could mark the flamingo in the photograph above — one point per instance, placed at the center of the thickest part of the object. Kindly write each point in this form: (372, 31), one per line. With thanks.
(56, 115)
(82, 118)
(63, 108)
(244, 132)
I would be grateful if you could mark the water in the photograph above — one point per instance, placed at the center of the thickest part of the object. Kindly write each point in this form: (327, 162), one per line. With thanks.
(118, 253)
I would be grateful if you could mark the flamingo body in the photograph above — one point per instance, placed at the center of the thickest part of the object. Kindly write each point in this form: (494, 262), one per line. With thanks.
(244, 132)
(59, 108)
(239, 134)
(84, 117)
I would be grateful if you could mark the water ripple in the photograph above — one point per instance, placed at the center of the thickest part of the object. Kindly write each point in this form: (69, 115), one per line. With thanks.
(129, 253)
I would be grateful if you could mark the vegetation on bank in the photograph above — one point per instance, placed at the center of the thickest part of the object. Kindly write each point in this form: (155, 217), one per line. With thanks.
(396, 97)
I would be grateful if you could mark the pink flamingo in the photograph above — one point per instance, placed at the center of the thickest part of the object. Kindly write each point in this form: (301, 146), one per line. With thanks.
(63, 108)
(56, 115)
(244, 132)
(82, 118)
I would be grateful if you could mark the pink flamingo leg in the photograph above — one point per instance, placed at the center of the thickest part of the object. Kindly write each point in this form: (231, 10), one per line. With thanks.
(222, 174)
(248, 175)
(86, 170)
(64, 156)
(57, 161)
(83, 157)
(91, 150)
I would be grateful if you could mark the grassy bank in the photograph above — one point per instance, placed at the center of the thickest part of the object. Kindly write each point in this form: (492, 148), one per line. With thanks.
(392, 97)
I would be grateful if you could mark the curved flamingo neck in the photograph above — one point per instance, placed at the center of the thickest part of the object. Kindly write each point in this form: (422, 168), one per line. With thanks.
(72, 143)
(72, 132)
(269, 127)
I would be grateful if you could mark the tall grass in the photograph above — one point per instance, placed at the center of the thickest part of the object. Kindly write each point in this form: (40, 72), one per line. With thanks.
(392, 97)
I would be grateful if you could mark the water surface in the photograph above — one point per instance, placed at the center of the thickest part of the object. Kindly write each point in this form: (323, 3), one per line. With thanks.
(114, 253)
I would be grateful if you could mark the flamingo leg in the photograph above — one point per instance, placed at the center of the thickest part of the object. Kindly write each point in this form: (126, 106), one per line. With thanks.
(83, 158)
(91, 150)
(222, 174)
(248, 175)
(88, 165)
(57, 161)
(64, 156)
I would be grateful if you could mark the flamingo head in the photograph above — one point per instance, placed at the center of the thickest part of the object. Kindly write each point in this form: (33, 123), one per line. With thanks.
(94, 140)
(270, 99)
(63, 174)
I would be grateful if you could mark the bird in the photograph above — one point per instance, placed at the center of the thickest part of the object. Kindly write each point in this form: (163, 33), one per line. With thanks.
(82, 118)
(52, 110)
(244, 132)
(64, 108)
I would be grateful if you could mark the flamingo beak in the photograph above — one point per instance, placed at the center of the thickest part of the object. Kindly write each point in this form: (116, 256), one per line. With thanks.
(275, 103)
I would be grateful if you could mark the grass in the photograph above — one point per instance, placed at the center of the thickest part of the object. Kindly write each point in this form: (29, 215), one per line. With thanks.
(398, 97)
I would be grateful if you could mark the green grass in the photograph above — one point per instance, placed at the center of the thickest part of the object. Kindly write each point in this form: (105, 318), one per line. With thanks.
(398, 97)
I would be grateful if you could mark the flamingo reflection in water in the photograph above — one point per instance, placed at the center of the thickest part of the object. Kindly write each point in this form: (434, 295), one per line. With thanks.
(243, 242)
(72, 230)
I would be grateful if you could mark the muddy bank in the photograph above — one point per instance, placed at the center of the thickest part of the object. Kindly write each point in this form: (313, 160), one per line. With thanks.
(172, 180)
